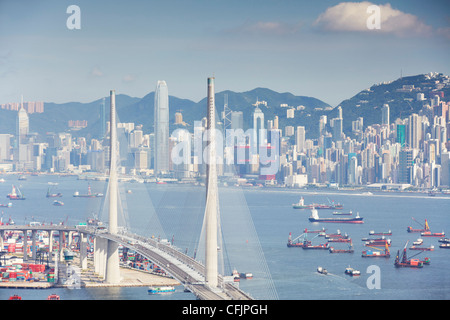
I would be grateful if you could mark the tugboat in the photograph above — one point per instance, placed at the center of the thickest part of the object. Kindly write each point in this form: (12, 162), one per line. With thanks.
(53, 297)
(15, 297)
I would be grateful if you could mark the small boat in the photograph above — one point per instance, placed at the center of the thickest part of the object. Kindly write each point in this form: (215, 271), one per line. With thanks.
(235, 275)
(444, 246)
(15, 297)
(322, 270)
(15, 194)
(8, 205)
(246, 275)
(58, 203)
(418, 242)
(444, 240)
(53, 297)
(161, 289)
(352, 272)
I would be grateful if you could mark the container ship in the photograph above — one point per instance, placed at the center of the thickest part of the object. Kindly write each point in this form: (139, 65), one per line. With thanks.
(315, 218)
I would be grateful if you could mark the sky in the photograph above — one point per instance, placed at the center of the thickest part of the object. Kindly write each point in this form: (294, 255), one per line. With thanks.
(323, 49)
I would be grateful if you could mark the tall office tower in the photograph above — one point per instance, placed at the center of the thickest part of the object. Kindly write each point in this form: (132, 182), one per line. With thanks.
(258, 127)
(275, 122)
(212, 199)
(237, 120)
(401, 134)
(322, 125)
(340, 112)
(414, 130)
(405, 166)
(385, 114)
(300, 138)
(161, 128)
(22, 125)
(5, 147)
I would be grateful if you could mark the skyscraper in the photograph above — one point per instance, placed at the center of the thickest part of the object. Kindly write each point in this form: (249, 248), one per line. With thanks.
(161, 128)
(300, 138)
(258, 127)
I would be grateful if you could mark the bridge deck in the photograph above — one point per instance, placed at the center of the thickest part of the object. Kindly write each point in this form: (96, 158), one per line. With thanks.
(183, 268)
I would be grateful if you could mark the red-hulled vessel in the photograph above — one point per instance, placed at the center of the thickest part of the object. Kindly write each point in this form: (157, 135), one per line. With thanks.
(403, 261)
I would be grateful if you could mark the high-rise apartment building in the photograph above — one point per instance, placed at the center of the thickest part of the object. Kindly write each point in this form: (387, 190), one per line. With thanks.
(385, 115)
(161, 122)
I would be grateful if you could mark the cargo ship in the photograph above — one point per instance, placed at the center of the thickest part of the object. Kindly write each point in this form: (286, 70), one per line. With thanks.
(378, 253)
(430, 248)
(425, 228)
(336, 235)
(291, 243)
(315, 231)
(387, 233)
(53, 195)
(349, 250)
(432, 234)
(378, 243)
(307, 245)
(337, 213)
(301, 204)
(315, 218)
(403, 261)
(15, 194)
(88, 195)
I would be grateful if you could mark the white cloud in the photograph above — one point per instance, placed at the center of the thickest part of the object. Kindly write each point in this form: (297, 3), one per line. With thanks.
(96, 72)
(353, 16)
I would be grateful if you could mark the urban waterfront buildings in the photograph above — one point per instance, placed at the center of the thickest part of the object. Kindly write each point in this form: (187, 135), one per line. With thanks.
(406, 151)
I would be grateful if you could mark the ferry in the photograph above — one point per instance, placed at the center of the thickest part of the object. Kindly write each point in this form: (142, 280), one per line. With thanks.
(352, 272)
(15, 194)
(315, 218)
(162, 289)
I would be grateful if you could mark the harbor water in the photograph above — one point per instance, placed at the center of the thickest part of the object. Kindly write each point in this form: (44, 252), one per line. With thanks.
(255, 217)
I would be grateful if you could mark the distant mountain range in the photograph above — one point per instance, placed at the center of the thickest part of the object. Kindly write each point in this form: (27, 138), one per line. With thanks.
(366, 104)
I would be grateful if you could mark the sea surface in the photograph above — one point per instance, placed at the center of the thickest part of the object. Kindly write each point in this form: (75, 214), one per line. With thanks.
(255, 224)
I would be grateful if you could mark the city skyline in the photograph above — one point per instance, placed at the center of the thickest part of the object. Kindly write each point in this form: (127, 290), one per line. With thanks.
(301, 47)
